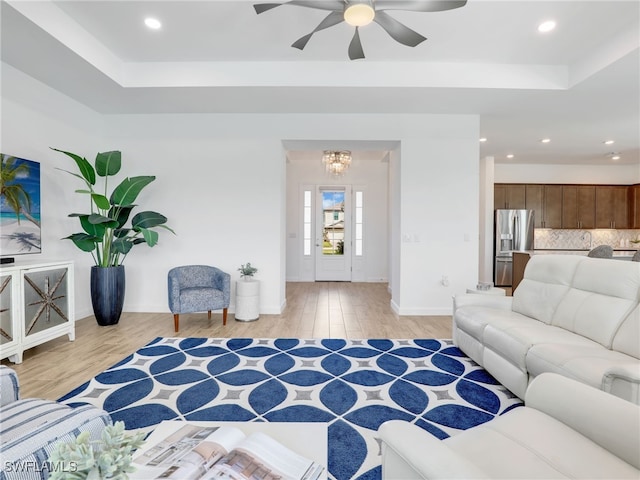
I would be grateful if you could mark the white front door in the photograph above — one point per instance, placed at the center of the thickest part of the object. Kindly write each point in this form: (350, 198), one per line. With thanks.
(333, 234)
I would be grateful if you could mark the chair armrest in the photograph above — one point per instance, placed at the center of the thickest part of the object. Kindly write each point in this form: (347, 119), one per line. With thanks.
(410, 452)
(9, 386)
(478, 300)
(222, 281)
(173, 291)
(607, 420)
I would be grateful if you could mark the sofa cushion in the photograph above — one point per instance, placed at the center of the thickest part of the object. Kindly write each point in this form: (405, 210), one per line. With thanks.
(627, 338)
(527, 442)
(547, 279)
(514, 341)
(473, 319)
(588, 364)
(603, 294)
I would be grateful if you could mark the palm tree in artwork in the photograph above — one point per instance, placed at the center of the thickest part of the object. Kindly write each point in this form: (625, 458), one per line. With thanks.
(15, 195)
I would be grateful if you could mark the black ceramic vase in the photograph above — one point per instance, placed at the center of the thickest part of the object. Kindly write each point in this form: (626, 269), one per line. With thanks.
(107, 293)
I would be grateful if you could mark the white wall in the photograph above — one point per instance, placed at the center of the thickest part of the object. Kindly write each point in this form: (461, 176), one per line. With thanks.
(571, 174)
(221, 183)
(34, 118)
(221, 192)
(369, 172)
(438, 215)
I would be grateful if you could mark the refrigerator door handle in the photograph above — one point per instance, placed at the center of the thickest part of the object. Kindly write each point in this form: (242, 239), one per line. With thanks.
(516, 232)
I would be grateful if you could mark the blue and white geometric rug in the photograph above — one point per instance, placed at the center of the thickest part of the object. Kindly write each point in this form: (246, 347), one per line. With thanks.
(352, 385)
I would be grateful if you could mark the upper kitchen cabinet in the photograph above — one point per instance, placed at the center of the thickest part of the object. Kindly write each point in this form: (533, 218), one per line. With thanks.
(612, 206)
(578, 206)
(552, 212)
(634, 206)
(534, 200)
(511, 196)
(546, 201)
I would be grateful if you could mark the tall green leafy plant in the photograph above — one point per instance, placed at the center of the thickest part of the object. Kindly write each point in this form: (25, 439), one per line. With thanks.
(106, 234)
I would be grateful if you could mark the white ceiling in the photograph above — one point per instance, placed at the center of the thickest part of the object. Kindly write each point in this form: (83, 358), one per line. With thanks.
(578, 85)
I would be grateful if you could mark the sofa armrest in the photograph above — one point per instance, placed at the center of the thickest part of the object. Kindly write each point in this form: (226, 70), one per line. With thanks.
(9, 386)
(607, 420)
(623, 380)
(410, 452)
(478, 300)
(32, 429)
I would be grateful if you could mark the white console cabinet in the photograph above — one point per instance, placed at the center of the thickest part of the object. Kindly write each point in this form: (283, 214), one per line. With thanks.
(36, 305)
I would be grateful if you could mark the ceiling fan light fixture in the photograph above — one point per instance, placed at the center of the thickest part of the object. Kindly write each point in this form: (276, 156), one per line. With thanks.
(359, 14)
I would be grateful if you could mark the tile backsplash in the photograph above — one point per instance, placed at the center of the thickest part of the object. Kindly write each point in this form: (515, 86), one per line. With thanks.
(584, 239)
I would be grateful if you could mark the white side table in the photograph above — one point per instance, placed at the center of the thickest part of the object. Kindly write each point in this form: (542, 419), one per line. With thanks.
(491, 291)
(247, 300)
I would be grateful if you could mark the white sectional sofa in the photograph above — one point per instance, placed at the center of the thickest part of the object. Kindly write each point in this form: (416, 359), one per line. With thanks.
(565, 430)
(572, 315)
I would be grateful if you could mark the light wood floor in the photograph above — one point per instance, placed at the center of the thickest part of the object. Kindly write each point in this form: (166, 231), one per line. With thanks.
(314, 310)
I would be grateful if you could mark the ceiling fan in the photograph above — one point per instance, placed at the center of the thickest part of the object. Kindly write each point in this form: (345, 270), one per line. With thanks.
(359, 13)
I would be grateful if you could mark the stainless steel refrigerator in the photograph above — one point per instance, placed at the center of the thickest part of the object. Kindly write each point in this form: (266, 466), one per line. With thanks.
(513, 233)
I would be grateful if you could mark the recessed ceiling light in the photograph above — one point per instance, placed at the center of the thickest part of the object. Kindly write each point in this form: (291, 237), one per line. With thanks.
(547, 26)
(483, 139)
(511, 155)
(608, 142)
(545, 140)
(613, 155)
(153, 23)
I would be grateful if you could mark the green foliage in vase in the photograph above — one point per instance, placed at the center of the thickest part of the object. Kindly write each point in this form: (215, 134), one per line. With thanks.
(247, 270)
(109, 458)
(105, 234)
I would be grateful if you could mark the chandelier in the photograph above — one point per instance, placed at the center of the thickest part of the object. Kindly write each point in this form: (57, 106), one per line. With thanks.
(336, 162)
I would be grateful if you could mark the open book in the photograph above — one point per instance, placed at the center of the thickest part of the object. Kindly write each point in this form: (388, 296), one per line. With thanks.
(193, 452)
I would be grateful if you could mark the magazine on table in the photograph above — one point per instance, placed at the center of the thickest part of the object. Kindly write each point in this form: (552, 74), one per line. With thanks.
(195, 452)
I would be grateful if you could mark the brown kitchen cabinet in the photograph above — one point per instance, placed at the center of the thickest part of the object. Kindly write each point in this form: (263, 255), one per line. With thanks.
(634, 206)
(534, 200)
(573, 206)
(506, 195)
(552, 206)
(520, 260)
(546, 201)
(611, 206)
(579, 206)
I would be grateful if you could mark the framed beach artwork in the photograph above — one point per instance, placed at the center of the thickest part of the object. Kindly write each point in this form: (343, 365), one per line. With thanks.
(20, 231)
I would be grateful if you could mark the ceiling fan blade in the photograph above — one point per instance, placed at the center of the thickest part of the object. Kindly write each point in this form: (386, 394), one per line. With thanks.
(263, 7)
(330, 20)
(355, 47)
(419, 5)
(399, 32)
(330, 5)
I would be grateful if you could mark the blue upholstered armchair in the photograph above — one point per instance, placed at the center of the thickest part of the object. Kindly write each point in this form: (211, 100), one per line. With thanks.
(198, 288)
(32, 428)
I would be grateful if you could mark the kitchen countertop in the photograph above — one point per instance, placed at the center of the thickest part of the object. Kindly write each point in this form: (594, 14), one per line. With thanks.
(618, 253)
(629, 249)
